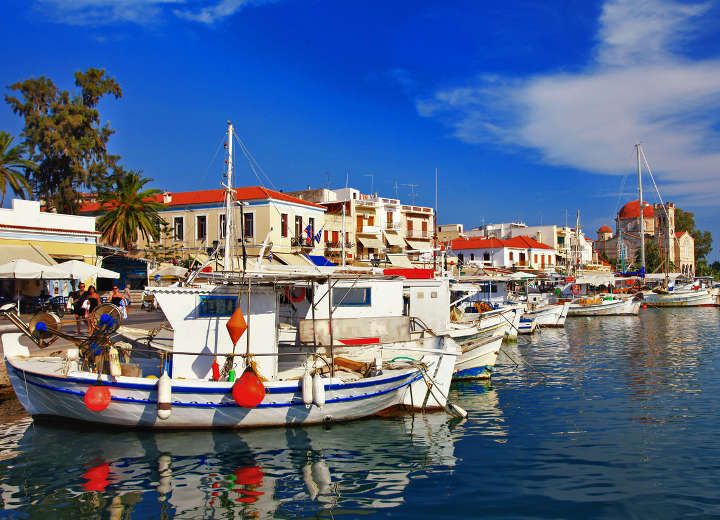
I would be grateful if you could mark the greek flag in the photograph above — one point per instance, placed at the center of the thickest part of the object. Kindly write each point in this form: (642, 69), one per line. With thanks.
(318, 236)
(308, 232)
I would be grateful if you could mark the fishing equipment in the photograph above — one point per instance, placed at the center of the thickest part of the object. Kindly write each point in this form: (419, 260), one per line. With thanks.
(215, 370)
(295, 294)
(236, 325)
(97, 398)
(114, 361)
(248, 391)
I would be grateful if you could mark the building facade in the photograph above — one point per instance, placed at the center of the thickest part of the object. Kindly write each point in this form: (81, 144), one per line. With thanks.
(521, 252)
(623, 246)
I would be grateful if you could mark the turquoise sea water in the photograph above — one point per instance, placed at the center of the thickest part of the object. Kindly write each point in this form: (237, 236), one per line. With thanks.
(607, 418)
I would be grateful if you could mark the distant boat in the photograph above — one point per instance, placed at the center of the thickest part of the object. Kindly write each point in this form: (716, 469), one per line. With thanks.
(604, 305)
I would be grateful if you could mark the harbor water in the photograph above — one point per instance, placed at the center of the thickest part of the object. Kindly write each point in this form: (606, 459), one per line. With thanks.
(612, 417)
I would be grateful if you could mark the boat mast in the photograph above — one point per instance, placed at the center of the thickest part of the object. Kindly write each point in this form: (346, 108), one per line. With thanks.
(642, 219)
(229, 197)
(577, 256)
(435, 221)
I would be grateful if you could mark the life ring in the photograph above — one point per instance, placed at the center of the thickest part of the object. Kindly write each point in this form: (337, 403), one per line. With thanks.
(575, 289)
(295, 294)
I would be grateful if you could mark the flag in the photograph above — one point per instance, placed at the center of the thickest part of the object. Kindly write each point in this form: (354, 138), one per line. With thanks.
(308, 232)
(318, 235)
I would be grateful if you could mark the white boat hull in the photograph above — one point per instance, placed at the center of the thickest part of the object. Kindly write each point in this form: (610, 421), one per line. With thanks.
(42, 391)
(628, 307)
(699, 298)
(552, 315)
(478, 358)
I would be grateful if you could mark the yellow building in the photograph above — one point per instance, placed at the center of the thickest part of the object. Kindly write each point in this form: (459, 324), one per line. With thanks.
(28, 233)
(285, 224)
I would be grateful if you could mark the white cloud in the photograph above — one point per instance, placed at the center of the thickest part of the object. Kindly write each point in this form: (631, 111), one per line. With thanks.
(637, 88)
(141, 12)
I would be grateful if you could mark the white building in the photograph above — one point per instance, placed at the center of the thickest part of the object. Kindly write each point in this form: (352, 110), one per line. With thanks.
(521, 252)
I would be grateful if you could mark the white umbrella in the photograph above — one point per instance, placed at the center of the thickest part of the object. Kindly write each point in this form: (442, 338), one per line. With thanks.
(80, 270)
(27, 270)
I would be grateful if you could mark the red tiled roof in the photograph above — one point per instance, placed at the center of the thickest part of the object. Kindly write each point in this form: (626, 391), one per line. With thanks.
(678, 234)
(605, 229)
(519, 242)
(187, 198)
(632, 210)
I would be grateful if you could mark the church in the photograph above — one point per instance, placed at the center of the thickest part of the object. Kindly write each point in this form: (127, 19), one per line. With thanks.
(659, 222)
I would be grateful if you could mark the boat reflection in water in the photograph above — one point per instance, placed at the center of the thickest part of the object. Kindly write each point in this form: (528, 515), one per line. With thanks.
(289, 472)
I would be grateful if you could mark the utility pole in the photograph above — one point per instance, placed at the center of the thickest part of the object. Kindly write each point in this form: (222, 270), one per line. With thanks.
(413, 193)
(372, 182)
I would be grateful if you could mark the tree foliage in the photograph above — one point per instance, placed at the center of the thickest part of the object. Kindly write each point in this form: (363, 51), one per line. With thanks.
(130, 210)
(13, 168)
(685, 221)
(65, 137)
(166, 248)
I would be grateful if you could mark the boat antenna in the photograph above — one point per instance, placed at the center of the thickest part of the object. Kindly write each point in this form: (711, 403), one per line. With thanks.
(638, 151)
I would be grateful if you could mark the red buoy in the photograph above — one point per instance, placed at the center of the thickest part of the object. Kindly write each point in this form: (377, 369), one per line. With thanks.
(249, 476)
(236, 325)
(248, 390)
(97, 398)
(215, 370)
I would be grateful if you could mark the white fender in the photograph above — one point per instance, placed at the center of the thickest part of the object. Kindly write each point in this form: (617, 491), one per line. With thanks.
(311, 486)
(164, 386)
(307, 388)
(166, 477)
(318, 389)
(114, 359)
(321, 475)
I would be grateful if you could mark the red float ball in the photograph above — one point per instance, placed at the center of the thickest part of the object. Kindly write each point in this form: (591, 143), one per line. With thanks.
(97, 478)
(248, 390)
(97, 398)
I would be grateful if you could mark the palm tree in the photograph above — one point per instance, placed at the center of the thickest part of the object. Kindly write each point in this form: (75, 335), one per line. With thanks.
(11, 162)
(131, 211)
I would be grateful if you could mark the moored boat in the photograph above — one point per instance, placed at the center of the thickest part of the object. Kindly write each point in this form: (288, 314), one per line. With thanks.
(604, 305)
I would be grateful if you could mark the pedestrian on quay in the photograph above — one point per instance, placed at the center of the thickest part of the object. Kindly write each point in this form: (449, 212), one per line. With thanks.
(128, 301)
(91, 303)
(119, 300)
(78, 299)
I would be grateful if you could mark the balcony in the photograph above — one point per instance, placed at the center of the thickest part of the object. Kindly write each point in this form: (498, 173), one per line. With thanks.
(368, 230)
(418, 233)
(393, 226)
(301, 242)
(338, 245)
(422, 210)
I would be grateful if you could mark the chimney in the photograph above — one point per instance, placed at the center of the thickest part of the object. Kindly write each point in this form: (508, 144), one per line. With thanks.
(167, 197)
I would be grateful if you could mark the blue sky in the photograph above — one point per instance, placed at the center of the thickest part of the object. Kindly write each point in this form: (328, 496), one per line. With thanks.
(529, 109)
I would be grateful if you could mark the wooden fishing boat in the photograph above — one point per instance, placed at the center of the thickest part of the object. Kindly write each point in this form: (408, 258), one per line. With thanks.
(604, 305)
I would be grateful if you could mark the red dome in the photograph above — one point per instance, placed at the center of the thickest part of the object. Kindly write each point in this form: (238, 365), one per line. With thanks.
(604, 229)
(632, 210)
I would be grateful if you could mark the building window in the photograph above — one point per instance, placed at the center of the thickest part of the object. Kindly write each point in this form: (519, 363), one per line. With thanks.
(298, 226)
(536, 260)
(486, 257)
(283, 225)
(201, 227)
(512, 256)
(311, 223)
(223, 226)
(461, 257)
(249, 225)
(335, 237)
(179, 228)
(472, 256)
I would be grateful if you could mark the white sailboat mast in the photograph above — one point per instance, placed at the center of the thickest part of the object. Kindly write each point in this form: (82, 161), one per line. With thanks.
(642, 219)
(229, 198)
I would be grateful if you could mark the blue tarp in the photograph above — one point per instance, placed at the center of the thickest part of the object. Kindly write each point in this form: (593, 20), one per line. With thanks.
(320, 260)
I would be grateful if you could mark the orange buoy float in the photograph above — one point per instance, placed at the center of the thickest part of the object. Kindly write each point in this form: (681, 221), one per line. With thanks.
(236, 325)
(248, 390)
(97, 398)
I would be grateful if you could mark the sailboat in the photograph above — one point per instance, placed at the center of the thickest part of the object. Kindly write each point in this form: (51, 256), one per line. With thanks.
(667, 295)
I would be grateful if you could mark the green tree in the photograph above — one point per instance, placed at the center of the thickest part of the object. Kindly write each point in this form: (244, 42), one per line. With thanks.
(130, 210)
(65, 137)
(166, 248)
(13, 168)
(685, 221)
(653, 259)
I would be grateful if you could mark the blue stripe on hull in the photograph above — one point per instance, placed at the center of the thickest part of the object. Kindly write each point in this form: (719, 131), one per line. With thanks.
(483, 372)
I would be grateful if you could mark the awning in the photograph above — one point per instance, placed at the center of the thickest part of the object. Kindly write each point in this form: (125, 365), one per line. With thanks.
(293, 259)
(371, 243)
(29, 252)
(394, 239)
(399, 260)
(321, 261)
(417, 245)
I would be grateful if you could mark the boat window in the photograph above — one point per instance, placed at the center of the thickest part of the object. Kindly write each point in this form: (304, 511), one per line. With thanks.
(216, 306)
(351, 297)
(433, 294)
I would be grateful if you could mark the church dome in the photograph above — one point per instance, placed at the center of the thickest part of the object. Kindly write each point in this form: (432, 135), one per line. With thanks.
(604, 229)
(632, 210)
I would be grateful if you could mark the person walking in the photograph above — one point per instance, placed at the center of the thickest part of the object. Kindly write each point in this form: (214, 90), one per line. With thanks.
(128, 301)
(119, 300)
(78, 299)
(91, 303)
